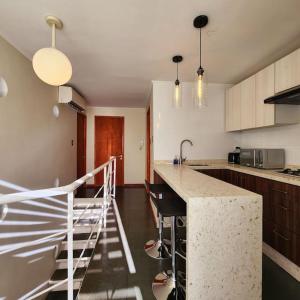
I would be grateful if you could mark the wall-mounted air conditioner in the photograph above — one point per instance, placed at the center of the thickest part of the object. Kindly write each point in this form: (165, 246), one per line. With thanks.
(68, 95)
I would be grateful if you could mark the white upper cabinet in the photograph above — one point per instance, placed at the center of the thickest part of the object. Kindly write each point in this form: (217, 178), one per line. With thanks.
(245, 107)
(247, 99)
(264, 88)
(287, 72)
(233, 108)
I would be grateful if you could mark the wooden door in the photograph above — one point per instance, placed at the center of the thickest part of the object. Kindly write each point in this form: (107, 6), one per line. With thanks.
(81, 145)
(264, 88)
(148, 146)
(248, 103)
(109, 141)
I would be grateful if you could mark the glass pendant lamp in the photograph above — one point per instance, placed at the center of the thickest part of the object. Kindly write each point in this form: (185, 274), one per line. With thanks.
(200, 89)
(177, 94)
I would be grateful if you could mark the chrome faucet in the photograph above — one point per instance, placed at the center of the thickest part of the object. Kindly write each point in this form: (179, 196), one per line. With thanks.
(182, 142)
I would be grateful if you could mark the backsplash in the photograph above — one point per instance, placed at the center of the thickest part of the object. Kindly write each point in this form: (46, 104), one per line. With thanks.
(287, 137)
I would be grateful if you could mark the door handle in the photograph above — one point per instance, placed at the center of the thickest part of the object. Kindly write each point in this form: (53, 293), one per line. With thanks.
(118, 156)
(280, 191)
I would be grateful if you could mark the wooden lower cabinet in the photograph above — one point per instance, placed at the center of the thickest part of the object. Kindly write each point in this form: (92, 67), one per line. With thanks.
(216, 173)
(281, 209)
(283, 240)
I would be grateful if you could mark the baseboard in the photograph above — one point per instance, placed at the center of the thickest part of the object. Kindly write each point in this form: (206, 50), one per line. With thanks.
(282, 261)
(134, 185)
(92, 185)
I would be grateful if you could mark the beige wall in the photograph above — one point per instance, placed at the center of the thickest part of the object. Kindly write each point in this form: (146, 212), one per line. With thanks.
(35, 148)
(134, 138)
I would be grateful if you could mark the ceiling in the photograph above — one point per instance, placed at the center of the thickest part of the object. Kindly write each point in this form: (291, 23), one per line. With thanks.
(117, 47)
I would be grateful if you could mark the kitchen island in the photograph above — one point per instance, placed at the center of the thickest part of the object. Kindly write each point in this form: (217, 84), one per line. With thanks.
(224, 235)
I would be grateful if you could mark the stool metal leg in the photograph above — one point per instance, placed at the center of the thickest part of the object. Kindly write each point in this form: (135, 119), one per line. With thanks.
(157, 249)
(164, 286)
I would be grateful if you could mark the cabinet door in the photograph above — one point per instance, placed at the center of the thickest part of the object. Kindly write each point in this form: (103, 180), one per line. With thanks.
(263, 188)
(216, 173)
(264, 88)
(287, 72)
(233, 108)
(247, 91)
(249, 182)
(228, 107)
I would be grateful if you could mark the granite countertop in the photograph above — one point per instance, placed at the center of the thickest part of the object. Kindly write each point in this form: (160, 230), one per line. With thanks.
(189, 184)
(268, 174)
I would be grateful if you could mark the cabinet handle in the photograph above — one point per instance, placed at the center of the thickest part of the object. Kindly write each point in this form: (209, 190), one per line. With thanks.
(280, 191)
(283, 207)
(279, 234)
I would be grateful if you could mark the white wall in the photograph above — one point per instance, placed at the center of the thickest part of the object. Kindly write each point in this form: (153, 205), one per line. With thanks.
(205, 127)
(286, 137)
(134, 135)
(35, 148)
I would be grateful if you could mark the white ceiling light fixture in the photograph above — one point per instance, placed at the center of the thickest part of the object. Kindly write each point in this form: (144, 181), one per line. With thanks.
(51, 65)
(3, 87)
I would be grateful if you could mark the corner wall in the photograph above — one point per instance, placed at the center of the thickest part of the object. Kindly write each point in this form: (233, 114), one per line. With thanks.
(205, 127)
(134, 136)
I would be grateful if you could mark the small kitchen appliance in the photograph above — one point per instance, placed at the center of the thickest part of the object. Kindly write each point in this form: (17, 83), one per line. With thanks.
(234, 157)
(263, 158)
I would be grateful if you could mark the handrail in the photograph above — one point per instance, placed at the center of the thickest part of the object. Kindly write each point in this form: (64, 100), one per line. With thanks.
(57, 191)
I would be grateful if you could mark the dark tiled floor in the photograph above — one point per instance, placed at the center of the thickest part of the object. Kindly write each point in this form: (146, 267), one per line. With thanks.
(109, 278)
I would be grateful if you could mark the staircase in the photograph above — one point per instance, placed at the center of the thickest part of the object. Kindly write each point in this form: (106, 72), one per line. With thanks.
(85, 218)
(88, 219)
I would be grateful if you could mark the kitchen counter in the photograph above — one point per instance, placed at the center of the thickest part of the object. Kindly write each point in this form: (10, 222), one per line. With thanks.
(224, 235)
(269, 174)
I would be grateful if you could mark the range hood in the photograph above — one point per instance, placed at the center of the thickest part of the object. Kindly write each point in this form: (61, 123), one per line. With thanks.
(290, 97)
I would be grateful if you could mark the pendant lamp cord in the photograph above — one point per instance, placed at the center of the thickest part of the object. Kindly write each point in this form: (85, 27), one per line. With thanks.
(53, 36)
(200, 47)
(177, 70)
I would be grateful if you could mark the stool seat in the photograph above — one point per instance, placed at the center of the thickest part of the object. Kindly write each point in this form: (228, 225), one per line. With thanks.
(171, 206)
(158, 188)
(158, 249)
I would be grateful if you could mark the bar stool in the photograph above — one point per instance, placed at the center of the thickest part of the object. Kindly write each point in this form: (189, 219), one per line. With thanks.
(158, 249)
(165, 285)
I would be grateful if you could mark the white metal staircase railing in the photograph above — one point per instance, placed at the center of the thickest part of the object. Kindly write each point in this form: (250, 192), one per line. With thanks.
(109, 191)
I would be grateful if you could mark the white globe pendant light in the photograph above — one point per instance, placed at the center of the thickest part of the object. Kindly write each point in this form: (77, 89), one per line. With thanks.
(49, 64)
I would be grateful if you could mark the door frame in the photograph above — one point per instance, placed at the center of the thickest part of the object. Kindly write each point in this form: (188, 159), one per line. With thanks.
(84, 142)
(148, 145)
(123, 148)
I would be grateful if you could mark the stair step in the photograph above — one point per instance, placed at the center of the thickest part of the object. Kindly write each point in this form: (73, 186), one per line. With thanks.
(89, 213)
(85, 221)
(64, 287)
(86, 228)
(81, 236)
(62, 274)
(80, 244)
(60, 295)
(83, 206)
(63, 263)
(76, 253)
(86, 201)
